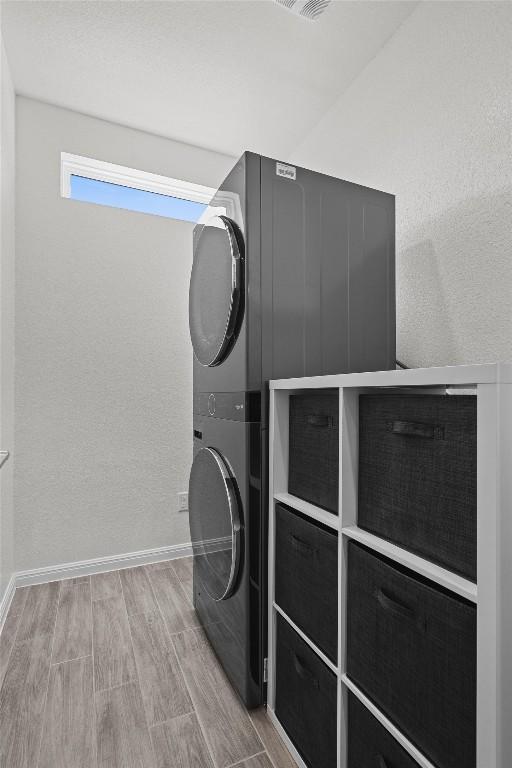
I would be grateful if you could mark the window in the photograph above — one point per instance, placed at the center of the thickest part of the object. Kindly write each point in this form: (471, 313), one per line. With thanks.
(94, 181)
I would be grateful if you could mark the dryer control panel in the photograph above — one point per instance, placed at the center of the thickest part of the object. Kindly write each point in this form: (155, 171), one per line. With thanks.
(235, 406)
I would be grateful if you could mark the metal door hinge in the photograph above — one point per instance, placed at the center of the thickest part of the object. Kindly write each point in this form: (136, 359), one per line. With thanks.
(265, 670)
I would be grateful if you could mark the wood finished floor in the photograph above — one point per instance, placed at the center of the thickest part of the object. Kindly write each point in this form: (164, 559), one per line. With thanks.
(113, 671)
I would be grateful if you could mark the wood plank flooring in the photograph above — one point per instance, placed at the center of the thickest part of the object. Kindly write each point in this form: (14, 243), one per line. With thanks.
(105, 585)
(114, 662)
(73, 627)
(113, 671)
(68, 729)
(258, 761)
(180, 743)
(219, 709)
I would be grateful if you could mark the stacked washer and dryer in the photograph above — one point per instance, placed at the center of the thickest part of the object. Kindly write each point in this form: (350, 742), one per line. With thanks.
(293, 275)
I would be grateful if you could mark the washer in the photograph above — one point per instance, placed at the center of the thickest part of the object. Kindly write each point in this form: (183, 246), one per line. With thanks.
(224, 508)
(293, 275)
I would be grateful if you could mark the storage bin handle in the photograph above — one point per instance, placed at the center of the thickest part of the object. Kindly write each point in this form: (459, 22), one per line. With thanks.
(303, 671)
(319, 420)
(390, 603)
(300, 544)
(416, 429)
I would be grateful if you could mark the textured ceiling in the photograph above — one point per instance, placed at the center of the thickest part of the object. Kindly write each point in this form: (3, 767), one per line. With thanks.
(227, 76)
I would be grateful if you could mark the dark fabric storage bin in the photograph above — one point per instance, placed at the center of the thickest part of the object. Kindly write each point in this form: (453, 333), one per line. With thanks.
(417, 475)
(313, 448)
(306, 698)
(370, 745)
(411, 648)
(306, 577)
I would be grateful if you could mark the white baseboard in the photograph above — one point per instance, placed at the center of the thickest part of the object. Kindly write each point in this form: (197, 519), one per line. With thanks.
(86, 567)
(100, 565)
(5, 602)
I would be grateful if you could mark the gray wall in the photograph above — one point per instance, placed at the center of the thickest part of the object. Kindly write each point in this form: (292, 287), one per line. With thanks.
(103, 369)
(7, 177)
(429, 119)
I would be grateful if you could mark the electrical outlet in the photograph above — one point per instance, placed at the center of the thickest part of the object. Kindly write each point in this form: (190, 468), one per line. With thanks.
(182, 501)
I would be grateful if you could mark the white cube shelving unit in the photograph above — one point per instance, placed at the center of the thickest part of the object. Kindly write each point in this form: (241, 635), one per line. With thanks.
(492, 385)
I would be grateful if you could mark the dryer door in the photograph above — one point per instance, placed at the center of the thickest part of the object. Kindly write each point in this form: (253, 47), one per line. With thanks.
(215, 523)
(215, 295)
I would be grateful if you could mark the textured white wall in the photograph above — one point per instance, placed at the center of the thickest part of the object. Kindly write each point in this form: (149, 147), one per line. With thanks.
(103, 363)
(7, 186)
(429, 119)
(103, 369)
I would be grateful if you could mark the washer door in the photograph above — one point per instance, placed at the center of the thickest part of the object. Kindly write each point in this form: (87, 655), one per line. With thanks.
(215, 523)
(215, 296)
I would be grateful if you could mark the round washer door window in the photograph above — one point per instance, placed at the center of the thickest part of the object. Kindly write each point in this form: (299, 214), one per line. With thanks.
(215, 523)
(215, 294)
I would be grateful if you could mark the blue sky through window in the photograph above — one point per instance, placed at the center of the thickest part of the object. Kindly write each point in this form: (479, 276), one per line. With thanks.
(117, 196)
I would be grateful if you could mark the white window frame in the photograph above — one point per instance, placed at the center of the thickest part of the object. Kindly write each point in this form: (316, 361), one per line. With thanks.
(98, 170)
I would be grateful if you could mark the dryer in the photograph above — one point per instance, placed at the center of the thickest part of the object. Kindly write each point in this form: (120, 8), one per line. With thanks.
(293, 275)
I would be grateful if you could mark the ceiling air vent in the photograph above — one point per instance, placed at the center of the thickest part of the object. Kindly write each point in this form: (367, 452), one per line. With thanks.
(308, 9)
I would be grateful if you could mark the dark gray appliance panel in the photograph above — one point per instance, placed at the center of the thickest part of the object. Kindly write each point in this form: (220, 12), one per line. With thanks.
(328, 298)
(285, 297)
(371, 294)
